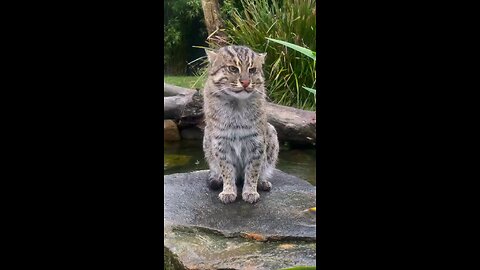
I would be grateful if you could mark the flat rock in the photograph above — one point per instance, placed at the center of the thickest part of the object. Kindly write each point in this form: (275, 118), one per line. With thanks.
(203, 233)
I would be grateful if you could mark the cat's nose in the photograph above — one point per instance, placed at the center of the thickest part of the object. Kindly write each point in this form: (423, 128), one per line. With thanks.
(245, 83)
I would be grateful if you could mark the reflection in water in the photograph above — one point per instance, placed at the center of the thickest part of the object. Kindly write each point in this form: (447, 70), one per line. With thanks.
(187, 156)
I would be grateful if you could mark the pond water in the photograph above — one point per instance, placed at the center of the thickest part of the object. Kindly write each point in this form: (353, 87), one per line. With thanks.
(187, 156)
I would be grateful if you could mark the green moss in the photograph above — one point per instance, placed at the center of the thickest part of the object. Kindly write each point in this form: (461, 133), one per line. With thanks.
(175, 160)
(170, 261)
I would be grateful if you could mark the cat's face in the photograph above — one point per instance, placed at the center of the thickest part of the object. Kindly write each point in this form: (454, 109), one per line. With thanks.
(237, 71)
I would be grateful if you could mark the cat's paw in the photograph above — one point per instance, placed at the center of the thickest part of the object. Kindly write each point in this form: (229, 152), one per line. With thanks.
(227, 196)
(250, 197)
(264, 185)
(215, 183)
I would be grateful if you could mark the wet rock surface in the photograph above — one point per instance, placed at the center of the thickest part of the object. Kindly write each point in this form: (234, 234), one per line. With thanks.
(203, 233)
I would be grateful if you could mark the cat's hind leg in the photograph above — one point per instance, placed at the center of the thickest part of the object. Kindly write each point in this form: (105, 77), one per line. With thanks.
(263, 183)
(215, 180)
(271, 159)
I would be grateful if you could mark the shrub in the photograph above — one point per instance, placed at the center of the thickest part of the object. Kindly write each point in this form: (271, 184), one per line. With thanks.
(309, 53)
(286, 70)
(183, 26)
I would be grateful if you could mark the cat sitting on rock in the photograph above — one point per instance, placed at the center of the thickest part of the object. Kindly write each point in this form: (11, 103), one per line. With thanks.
(240, 145)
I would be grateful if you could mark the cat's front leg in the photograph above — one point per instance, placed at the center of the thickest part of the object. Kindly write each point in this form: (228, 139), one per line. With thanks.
(214, 179)
(252, 175)
(227, 173)
(222, 169)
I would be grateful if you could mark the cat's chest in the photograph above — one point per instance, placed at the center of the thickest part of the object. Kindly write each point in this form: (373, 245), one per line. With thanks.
(236, 121)
(241, 142)
(238, 148)
(238, 129)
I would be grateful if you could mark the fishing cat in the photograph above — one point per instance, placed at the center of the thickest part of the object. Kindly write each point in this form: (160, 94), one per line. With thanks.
(240, 145)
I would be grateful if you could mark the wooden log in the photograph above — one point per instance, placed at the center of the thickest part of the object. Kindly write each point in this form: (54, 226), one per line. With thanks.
(292, 125)
(173, 106)
(172, 90)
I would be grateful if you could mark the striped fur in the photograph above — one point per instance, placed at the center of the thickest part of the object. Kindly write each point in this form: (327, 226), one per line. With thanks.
(239, 143)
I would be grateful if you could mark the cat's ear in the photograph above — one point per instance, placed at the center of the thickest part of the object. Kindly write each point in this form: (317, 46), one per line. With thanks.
(212, 56)
(261, 57)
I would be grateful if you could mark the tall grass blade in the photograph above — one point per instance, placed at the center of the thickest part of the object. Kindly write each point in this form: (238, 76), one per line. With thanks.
(297, 48)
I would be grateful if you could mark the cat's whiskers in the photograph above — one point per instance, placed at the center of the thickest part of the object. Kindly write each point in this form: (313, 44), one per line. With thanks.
(262, 93)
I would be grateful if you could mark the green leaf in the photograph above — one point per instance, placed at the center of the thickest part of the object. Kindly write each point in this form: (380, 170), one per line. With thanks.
(297, 48)
(311, 90)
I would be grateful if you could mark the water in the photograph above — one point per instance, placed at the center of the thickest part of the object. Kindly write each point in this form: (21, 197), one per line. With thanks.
(187, 156)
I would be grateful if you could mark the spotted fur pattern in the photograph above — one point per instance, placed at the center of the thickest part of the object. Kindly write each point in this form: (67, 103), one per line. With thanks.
(239, 144)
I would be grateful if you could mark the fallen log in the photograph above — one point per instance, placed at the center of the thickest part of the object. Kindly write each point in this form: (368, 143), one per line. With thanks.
(186, 107)
(292, 125)
(172, 90)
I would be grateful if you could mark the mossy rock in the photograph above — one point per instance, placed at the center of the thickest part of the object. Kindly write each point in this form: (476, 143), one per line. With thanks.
(171, 160)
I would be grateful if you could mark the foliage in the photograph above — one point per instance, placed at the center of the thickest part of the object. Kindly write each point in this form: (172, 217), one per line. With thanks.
(304, 51)
(184, 28)
(181, 28)
(200, 64)
(227, 8)
(286, 70)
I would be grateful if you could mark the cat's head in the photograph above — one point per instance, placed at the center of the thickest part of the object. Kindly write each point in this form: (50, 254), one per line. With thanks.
(237, 71)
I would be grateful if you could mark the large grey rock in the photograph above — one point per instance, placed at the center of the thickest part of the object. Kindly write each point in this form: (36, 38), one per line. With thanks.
(203, 233)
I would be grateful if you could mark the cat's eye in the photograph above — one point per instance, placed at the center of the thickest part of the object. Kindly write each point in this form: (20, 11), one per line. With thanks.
(232, 69)
(252, 70)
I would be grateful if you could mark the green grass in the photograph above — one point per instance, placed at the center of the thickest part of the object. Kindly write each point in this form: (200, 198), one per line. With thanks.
(185, 81)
